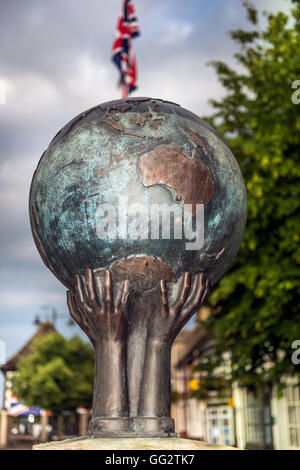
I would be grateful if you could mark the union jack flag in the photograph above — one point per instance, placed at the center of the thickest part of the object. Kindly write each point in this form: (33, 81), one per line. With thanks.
(122, 52)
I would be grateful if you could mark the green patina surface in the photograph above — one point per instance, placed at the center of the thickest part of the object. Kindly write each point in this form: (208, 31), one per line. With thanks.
(99, 157)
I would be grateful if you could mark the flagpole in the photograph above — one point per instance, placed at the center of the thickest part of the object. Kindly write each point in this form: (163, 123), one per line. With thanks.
(122, 51)
(124, 91)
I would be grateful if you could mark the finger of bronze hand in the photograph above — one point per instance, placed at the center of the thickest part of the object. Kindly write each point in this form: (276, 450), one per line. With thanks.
(195, 299)
(78, 289)
(107, 290)
(164, 297)
(99, 289)
(89, 284)
(72, 308)
(120, 301)
(183, 293)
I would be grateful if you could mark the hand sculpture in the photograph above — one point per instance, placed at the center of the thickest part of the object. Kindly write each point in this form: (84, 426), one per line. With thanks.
(132, 376)
(163, 327)
(166, 323)
(101, 313)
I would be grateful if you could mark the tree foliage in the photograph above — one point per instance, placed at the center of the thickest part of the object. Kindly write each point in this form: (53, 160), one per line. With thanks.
(57, 375)
(259, 296)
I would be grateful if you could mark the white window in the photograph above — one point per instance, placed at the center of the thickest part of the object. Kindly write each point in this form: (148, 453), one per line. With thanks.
(258, 421)
(220, 426)
(292, 394)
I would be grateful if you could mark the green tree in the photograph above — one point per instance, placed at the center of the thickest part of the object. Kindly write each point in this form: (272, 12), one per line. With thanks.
(259, 297)
(57, 375)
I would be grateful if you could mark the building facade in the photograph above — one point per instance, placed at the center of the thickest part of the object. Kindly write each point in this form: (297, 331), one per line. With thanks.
(240, 418)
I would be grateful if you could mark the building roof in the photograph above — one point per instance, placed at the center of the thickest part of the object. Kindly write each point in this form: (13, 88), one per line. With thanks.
(194, 342)
(43, 330)
(199, 343)
(185, 336)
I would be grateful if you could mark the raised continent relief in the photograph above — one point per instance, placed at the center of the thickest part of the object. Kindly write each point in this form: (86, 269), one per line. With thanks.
(192, 185)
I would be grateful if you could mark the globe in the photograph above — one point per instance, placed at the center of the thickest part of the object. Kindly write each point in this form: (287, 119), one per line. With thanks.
(142, 187)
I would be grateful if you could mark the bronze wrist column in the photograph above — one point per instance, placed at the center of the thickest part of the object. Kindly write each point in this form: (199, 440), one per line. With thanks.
(99, 307)
(165, 322)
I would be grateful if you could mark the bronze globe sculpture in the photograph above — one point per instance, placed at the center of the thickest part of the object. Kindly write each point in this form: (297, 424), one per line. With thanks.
(138, 207)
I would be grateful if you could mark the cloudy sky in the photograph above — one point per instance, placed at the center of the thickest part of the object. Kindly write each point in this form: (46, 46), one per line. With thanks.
(55, 63)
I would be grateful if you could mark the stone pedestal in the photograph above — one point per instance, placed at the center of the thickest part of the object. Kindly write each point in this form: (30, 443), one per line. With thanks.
(3, 428)
(44, 424)
(83, 423)
(172, 443)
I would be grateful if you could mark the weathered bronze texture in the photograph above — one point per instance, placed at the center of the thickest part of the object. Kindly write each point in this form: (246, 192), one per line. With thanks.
(152, 152)
(159, 167)
(132, 372)
(132, 290)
